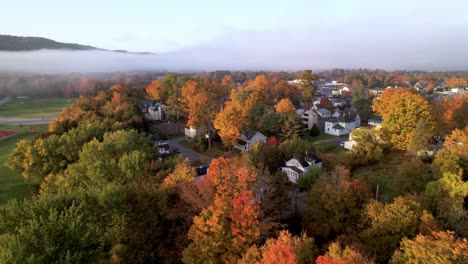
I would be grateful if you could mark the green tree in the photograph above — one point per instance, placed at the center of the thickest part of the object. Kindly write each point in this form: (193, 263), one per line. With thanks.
(47, 232)
(314, 131)
(420, 141)
(362, 103)
(292, 126)
(367, 146)
(308, 179)
(306, 81)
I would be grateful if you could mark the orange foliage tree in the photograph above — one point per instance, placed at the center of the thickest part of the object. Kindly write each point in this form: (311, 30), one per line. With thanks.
(457, 142)
(230, 225)
(285, 106)
(339, 254)
(401, 110)
(283, 249)
(156, 90)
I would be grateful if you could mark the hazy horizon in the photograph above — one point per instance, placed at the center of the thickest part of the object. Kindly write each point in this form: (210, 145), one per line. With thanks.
(270, 35)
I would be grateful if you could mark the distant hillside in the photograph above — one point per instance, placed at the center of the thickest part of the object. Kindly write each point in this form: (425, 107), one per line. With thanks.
(14, 43)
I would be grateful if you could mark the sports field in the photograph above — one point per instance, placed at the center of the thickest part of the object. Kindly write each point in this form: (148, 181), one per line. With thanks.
(34, 108)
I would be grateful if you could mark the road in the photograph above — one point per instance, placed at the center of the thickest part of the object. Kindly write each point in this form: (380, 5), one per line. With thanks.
(25, 121)
(187, 152)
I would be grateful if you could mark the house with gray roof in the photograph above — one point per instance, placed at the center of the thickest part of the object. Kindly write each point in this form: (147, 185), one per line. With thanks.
(342, 123)
(248, 138)
(300, 164)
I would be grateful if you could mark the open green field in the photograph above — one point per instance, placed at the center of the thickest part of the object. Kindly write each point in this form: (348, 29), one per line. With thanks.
(34, 108)
(382, 174)
(11, 184)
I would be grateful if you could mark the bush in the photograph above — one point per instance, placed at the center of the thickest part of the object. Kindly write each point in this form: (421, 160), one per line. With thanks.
(314, 131)
(199, 143)
(306, 181)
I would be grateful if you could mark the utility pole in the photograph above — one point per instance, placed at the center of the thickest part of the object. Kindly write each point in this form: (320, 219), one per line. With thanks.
(377, 192)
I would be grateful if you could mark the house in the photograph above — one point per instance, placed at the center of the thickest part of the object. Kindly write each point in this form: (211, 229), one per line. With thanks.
(342, 123)
(163, 147)
(375, 121)
(156, 112)
(300, 164)
(420, 86)
(311, 117)
(248, 138)
(349, 144)
(191, 132)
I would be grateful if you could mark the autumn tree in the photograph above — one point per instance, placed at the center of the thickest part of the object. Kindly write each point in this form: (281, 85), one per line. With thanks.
(284, 249)
(342, 254)
(389, 223)
(401, 110)
(335, 204)
(200, 104)
(285, 106)
(157, 91)
(326, 103)
(229, 123)
(230, 225)
(439, 247)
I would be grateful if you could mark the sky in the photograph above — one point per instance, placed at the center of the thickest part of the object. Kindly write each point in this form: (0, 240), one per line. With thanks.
(424, 34)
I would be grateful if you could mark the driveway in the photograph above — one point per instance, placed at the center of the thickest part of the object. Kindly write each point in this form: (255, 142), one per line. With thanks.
(192, 155)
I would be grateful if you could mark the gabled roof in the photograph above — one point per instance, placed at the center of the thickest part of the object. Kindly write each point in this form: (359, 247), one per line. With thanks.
(347, 116)
(375, 119)
(305, 159)
(338, 126)
(249, 134)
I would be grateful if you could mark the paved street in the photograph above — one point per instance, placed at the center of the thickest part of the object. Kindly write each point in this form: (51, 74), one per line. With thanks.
(187, 152)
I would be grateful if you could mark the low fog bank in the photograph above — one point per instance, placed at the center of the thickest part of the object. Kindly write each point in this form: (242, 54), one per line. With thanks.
(288, 51)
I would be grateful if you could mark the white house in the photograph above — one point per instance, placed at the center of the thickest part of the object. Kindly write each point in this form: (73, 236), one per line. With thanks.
(248, 138)
(349, 144)
(300, 164)
(163, 147)
(156, 112)
(342, 123)
(191, 132)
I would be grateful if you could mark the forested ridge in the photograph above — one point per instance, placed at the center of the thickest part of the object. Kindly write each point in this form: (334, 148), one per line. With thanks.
(103, 193)
(16, 43)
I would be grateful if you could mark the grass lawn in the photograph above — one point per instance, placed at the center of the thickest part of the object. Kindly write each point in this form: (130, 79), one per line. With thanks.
(34, 108)
(11, 184)
(324, 143)
(382, 174)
